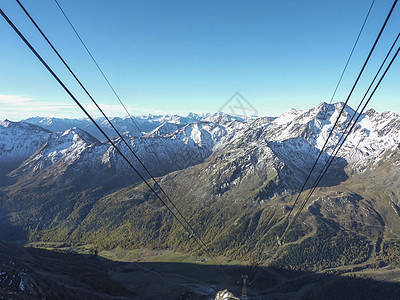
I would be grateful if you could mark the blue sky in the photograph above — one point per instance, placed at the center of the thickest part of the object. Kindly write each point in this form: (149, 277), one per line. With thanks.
(192, 56)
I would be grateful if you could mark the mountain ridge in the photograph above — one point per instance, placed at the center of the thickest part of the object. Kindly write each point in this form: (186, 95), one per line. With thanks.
(234, 179)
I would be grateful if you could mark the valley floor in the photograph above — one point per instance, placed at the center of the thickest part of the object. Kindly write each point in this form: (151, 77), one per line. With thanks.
(55, 271)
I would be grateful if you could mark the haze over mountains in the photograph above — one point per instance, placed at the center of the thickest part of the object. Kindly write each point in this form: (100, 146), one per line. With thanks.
(232, 178)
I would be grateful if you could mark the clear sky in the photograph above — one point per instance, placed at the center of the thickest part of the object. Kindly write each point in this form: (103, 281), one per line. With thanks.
(192, 56)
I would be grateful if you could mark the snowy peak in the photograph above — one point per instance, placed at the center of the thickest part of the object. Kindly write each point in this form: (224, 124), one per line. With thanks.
(71, 140)
(65, 146)
(385, 123)
(136, 125)
(57, 124)
(294, 138)
(79, 135)
(18, 140)
(5, 123)
(287, 116)
(164, 129)
(22, 126)
(222, 118)
(201, 134)
(197, 117)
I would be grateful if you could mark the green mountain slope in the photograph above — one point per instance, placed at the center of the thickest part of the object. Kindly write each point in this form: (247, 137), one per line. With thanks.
(351, 225)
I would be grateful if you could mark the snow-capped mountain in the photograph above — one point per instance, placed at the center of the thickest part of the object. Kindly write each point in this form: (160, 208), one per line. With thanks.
(71, 146)
(19, 140)
(233, 178)
(137, 126)
(286, 145)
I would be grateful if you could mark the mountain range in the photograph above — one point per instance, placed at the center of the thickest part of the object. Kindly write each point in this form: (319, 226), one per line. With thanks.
(233, 179)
